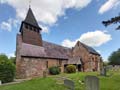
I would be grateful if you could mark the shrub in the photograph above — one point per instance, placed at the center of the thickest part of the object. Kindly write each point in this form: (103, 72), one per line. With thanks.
(54, 70)
(71, 69)
(7, 69)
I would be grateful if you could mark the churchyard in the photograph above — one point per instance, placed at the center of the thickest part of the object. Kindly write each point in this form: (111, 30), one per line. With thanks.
(56, 82)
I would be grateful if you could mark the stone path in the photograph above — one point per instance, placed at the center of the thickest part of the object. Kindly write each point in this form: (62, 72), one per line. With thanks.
(16, 81)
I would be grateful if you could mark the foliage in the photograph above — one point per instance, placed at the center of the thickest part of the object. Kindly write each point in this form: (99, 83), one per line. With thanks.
(54, 70)
(105, 63)
(114, 58)
(7, 69)
(13, 59)
(114, 20)
(71, 69)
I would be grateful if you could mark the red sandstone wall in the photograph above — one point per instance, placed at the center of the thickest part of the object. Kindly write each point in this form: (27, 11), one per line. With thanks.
(34, 67)
(90, 61)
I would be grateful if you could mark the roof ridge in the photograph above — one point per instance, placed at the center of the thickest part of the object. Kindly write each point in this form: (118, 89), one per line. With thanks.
(56, 44)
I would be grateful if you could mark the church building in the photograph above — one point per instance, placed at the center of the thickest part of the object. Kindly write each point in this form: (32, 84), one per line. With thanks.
(34, 55)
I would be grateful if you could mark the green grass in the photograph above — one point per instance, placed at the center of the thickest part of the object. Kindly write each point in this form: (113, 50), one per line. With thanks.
(51, 83)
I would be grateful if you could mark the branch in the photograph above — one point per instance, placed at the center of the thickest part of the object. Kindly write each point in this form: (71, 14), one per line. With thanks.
(112, 21)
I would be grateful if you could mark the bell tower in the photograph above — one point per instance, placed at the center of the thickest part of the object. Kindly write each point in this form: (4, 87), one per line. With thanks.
(30, 30)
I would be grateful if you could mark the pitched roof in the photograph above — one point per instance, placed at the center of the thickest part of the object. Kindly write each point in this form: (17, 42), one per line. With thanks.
(30, 19)
(49, 50)
(74, 60)
(90, 49)
(56, 51)
(32, 50)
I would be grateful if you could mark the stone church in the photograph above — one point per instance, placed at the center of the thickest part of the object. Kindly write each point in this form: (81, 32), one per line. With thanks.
(34, 55)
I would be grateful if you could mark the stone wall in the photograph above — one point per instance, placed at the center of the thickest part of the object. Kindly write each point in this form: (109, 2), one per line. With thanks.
(34, 67)
(90, 62)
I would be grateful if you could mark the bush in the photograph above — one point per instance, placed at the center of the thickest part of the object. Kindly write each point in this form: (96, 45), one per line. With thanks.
(54, 70)
(7, 69)
(71, 69)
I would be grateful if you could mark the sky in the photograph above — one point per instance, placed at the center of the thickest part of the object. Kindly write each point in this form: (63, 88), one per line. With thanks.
(63, 22)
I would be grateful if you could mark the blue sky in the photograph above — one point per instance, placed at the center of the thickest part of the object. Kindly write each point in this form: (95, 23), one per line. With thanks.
(63, 22)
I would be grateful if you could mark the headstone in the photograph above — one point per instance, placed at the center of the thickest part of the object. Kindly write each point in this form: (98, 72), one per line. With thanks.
(69, 84)
(103, 72)
(44, 74)
(91, 83)
(0, 82)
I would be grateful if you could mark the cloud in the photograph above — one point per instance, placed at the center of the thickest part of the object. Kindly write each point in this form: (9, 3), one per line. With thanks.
(93, 39)
(46, 11)
(45, 29)
(7, 25)
(110, 4)
(11, 55)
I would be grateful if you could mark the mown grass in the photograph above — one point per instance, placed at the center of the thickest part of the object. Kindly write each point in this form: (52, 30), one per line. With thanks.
(111, 82)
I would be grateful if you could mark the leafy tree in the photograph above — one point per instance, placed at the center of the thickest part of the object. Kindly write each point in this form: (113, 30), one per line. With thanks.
(13, 59)
(113, 20)
(7, 69)
(114, 58)
(3, 57)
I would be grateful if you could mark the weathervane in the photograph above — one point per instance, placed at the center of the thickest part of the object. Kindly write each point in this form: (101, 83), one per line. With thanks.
(29, 3)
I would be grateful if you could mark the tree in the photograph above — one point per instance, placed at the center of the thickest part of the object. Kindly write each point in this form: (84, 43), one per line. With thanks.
(7, 69)
(114, 58)
(113, 20)
(13, 59)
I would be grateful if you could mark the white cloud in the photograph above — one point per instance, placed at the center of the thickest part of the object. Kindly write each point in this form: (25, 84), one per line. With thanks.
(45, 29)
(110, 4)
(7, 25)
(11, 55)
(93, 39)
(46, 11)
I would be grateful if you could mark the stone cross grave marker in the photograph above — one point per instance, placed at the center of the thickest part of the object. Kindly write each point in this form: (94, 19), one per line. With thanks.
(91, 83)
(103, 72)
(70, 84)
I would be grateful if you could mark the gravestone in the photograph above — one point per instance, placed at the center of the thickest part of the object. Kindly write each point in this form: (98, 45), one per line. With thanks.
(69, 84)
(103, 72)
(44, 74)
(0, 82)
(91, 83)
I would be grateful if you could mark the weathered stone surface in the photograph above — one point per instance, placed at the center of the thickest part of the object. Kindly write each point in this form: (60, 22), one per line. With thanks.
(91, 83)
(0, 82)
(103, 72)
(70, 84)
(91, 61)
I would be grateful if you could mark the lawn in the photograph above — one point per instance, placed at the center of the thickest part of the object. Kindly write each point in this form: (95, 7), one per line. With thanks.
(53, 83)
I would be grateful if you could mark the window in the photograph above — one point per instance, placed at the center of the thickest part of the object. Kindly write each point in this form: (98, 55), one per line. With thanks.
(26, 26)
(60, 62)
(46, 64)
(30, 28)
(35, 29)
(38, 30)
